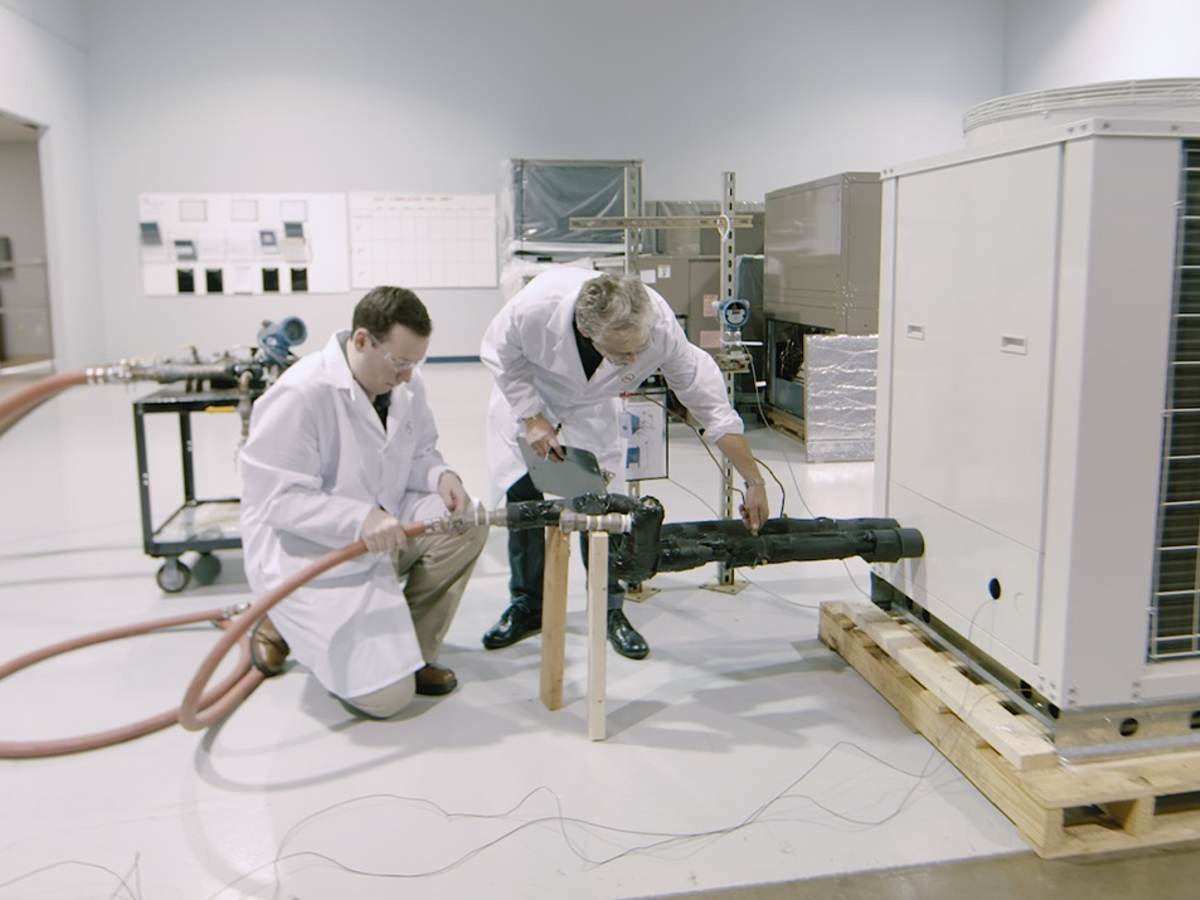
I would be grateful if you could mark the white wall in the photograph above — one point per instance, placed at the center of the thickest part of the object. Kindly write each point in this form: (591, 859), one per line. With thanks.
(274, 95)
(43, 79)
(23, 291)
(65, 19)
(1071, 42)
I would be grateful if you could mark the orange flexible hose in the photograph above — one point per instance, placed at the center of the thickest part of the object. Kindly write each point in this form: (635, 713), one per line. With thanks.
(95, 740)
(28, 399)
(199, 711)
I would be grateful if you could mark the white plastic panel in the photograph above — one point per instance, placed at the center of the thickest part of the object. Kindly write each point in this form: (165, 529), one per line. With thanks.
(1027, 386)
(974, 293)
(883, 380)
(1119, 227)
(952, 581)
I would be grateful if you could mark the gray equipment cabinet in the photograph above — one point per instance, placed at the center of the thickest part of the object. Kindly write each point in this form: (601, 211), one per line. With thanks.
(820, 272)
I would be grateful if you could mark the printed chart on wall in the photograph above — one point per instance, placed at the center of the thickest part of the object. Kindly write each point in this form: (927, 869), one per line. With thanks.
(422, 240)
(243, 244)
(644, 426)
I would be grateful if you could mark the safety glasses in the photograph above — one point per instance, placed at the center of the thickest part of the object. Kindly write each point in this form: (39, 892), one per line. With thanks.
(400, 365)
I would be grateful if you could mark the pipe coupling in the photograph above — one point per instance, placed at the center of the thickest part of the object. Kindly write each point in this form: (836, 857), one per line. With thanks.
(613, 523)
(116, 374)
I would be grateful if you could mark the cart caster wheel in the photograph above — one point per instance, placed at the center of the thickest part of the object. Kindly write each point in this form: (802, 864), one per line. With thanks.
(173, 576)
(206, 569)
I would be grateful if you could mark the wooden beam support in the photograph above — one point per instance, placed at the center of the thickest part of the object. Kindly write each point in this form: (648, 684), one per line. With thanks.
(597, 632)
(554, 617)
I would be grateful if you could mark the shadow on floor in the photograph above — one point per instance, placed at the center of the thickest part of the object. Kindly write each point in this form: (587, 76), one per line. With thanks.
(1162, 874)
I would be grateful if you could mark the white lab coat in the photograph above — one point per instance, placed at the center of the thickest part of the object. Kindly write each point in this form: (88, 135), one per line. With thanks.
(316, 463)
(531, 351)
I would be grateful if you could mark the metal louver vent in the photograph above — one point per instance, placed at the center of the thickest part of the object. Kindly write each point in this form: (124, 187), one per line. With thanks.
(1175, 611)
(1143, 93)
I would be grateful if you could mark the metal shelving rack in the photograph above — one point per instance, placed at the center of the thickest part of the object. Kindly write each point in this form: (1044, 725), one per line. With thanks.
(731, 363)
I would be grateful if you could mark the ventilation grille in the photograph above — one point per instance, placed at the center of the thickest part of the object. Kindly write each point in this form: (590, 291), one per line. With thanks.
(1175, 613)
(1156, 92)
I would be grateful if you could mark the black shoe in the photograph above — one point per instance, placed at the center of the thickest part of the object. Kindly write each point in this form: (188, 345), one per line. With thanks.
(516, 623)
(624, 637)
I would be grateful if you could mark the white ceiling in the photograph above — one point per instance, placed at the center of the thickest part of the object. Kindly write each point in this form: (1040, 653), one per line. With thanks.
(12, 131)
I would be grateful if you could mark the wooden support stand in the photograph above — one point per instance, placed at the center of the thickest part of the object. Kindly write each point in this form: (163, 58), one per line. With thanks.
(1061, 809)
(786, 422)
(554, 617)
(597, 632)
(554, 625)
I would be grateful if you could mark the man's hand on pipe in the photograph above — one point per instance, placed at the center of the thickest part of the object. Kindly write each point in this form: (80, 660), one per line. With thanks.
(754, 508)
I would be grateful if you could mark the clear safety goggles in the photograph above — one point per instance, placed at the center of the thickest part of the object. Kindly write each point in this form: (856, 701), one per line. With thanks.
(400, 365)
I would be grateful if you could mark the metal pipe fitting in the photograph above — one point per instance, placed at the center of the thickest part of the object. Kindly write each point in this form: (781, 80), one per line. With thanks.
(530, 514)
(459, 523)
(116, 374)
(613, 523)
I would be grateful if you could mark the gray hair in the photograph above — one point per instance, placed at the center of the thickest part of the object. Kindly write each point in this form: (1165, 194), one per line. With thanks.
(611, 304)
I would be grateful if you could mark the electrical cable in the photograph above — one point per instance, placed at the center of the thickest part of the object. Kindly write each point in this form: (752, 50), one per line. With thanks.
(72, 862)
(703, 443)
(663, 838)
(792, 472)
(782, 490)
(198, 713)
(705, 503)
(767, 422)
(717, 463)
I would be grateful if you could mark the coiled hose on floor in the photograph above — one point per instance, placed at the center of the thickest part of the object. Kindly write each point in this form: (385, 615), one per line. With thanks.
(199, 710)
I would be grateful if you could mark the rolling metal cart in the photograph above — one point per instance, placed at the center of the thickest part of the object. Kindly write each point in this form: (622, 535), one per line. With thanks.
(203, 526)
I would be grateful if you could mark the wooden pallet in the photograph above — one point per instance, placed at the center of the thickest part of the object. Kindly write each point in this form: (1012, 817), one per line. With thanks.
(786, 422)
(1061, 809)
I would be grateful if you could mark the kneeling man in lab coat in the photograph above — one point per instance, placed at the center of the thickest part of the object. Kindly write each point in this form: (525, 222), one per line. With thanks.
(562, 351)
(344, 447)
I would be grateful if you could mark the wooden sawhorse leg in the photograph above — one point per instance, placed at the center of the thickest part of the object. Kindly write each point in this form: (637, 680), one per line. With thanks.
(554, 625)
(554, 616)
(597, 632)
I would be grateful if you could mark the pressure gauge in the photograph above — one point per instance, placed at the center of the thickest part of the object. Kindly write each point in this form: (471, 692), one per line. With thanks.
(734, 314)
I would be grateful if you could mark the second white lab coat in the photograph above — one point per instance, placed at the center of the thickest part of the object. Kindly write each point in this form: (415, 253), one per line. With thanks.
(316, 463)
(531, 351)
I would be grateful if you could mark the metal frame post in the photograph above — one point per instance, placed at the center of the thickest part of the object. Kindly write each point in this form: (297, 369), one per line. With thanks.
(725, 574)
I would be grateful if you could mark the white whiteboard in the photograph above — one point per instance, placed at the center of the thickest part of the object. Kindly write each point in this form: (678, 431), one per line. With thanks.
(422, 240)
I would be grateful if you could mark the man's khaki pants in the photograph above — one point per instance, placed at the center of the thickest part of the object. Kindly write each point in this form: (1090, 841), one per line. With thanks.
(436, 568)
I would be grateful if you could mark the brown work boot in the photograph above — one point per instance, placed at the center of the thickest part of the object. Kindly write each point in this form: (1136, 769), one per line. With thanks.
(433, 681)
(268, 649)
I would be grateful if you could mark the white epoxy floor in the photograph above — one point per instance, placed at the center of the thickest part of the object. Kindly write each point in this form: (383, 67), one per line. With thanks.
(739, 717)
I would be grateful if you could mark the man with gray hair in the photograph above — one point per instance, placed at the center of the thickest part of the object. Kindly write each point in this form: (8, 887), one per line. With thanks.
(562, 353)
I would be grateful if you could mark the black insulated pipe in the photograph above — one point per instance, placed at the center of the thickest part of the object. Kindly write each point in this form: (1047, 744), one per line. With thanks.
(691, 544)
(652, 547)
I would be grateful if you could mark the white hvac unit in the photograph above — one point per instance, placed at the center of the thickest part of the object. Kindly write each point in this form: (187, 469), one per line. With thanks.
(1039, 407)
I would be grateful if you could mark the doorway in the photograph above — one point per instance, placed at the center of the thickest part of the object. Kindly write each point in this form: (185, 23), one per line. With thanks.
(26, 343)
